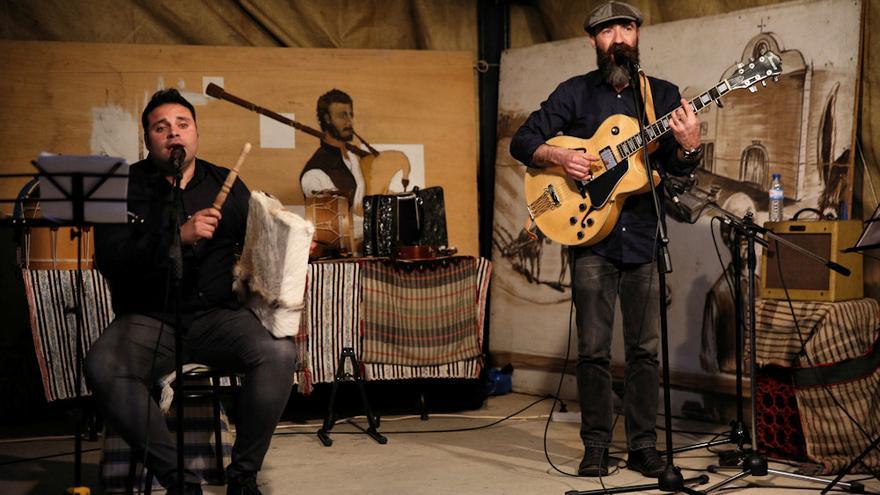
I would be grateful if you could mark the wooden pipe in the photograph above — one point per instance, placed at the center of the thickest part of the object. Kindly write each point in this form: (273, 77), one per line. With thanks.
(230, 179)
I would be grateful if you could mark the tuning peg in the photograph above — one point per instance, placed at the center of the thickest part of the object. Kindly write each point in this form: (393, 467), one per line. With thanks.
(739, 65)
(775, 78)
(764, 83)
(753, 89)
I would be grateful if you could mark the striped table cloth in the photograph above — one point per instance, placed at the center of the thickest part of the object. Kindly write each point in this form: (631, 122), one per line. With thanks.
(334, 315)
(332, 320)
(833, 354)
(420, 313)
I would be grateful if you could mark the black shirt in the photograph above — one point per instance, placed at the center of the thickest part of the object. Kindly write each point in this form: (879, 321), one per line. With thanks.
(577, 108)
(134, 257)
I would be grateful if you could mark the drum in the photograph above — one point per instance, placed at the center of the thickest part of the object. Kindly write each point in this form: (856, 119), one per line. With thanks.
(53, 249)
(49, 248)
(331, 216)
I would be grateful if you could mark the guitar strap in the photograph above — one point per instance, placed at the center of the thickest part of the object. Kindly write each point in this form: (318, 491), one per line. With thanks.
(649, 100)
(649, 106)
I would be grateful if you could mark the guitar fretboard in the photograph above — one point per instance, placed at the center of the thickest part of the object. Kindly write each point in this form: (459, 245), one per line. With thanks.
(660, 127)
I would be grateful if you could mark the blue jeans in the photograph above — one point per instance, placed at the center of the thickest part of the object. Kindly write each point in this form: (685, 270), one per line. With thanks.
(597, 285)
(120, 368)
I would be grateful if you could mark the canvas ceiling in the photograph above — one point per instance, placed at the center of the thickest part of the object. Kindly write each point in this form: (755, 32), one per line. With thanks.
(389, 24)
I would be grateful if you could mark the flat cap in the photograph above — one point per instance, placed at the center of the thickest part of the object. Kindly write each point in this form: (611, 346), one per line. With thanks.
(612, 11)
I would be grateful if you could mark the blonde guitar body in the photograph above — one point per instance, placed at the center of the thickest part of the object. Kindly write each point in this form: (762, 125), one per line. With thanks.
(584, 212)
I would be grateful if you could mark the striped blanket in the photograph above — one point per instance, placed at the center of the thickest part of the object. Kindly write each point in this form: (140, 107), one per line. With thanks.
(333, 317)
(833, 332)
(841, 351)
(50, 296)
(420, 313)
(332, 321)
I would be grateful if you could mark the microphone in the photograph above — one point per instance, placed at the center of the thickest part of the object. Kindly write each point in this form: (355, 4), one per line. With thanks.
(178, 154)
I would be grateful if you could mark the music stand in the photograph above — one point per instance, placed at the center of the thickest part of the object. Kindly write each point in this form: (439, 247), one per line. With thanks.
(870, 238)
(82, 192)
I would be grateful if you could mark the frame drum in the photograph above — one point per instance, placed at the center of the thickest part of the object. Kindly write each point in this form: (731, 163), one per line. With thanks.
(332, 218)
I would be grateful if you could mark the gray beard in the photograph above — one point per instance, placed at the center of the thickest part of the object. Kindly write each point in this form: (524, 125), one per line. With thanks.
(614, 74)
(617, 76)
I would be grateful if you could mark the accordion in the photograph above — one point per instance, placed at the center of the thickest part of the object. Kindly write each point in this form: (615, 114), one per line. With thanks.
(416, 218)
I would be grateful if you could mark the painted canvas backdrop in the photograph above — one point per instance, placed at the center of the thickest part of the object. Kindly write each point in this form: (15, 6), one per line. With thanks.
(86, 98)
(801, 127)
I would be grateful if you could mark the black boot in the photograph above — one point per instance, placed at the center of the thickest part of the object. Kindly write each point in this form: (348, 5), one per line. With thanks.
(646, 461)
(594, 463)
(245, 484)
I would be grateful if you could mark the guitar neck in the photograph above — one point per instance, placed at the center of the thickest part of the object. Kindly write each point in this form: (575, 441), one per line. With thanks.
(660, 127)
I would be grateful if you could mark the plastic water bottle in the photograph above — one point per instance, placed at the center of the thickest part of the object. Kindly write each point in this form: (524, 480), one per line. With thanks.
(776, 197)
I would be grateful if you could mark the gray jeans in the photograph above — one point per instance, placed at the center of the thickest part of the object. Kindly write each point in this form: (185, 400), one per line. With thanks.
(597, 285)
(121, 371)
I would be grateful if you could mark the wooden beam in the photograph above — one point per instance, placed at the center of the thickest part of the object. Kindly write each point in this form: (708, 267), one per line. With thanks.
(682, 380)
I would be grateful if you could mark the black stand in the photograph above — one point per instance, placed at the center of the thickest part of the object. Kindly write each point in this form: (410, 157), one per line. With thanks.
(671, 480)
(739, 434)
(355, 376)
(78, 197)
(867, 241)
(753, 463)
(175, 255)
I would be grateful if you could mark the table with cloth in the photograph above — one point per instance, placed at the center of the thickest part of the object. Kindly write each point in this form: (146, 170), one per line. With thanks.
(404, 319)
(827, 362)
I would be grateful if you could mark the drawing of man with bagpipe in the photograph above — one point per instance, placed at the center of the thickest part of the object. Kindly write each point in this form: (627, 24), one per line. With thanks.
(339, 174)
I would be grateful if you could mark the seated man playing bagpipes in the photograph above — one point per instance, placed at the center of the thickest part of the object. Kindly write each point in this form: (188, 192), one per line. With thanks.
(138, 346)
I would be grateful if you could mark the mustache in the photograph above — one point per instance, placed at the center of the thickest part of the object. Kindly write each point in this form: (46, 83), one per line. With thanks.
(617, 53)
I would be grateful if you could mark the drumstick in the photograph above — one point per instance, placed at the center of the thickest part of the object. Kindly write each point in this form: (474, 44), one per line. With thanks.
(230, 179)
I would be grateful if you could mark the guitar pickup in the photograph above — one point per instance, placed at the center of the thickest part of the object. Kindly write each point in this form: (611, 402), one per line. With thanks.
(551, 192)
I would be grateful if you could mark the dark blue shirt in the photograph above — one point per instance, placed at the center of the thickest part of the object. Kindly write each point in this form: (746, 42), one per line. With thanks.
(577, 108)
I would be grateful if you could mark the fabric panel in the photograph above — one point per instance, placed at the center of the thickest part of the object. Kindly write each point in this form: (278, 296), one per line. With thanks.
(419, 313)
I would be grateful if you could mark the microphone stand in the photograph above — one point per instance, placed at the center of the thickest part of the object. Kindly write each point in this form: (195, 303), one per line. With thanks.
(671, 480)
(175, 255)
(752, 462)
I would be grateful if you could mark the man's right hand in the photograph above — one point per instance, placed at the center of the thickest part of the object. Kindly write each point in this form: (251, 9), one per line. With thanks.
(200, 226)
(577, 164)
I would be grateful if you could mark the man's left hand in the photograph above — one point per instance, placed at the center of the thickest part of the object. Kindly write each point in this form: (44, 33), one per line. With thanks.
(685, 126)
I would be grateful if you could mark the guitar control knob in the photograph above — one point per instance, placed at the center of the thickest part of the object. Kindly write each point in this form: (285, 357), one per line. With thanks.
(580, 235)
(583, 207)
(572, 220)
(590, 222)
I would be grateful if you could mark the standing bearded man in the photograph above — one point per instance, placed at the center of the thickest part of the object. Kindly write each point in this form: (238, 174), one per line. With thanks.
(622, 264)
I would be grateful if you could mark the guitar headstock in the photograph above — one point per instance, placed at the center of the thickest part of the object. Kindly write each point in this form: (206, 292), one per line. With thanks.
(754, 71)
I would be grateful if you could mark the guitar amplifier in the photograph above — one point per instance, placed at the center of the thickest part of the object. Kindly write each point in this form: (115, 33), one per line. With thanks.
(806, 278)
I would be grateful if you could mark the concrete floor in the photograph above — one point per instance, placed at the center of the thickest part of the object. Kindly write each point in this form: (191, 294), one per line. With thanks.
(506, 459)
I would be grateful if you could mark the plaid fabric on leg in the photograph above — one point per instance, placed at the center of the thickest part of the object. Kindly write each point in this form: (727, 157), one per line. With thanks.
(199, 449)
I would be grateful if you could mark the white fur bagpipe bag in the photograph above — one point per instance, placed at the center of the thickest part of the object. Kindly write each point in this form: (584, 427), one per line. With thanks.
(270, 277)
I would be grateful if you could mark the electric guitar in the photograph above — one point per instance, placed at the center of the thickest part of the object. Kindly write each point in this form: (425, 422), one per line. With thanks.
(580, 212)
